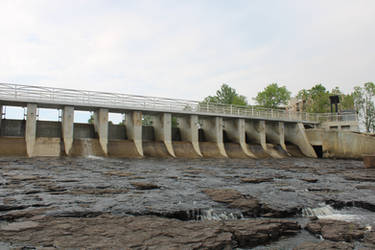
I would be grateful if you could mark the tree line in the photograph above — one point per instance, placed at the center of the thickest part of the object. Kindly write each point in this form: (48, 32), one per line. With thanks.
(313, 100)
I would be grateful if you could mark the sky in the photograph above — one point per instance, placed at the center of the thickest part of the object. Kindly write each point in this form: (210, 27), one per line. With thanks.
(187, 49)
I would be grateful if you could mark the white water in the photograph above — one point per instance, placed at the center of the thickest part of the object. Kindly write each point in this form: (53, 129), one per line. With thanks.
(211, 214)
(356, 215)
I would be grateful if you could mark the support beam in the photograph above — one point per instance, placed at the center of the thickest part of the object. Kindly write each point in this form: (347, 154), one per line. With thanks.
(67, 128)
(275, 134)
(133, 122)
(213, 132)
(189, 128)
(163, 131)
(235, 129)
(295, 133)
(256, 131)
(30, 133)
(101, 127)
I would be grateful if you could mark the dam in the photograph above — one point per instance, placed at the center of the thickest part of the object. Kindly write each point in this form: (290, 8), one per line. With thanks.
(177, 128)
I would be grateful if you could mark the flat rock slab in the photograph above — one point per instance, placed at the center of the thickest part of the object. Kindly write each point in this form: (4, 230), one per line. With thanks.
(256, 180)
(325, 244)
(147, 232)
(144, 185)
(335, 230)
(20, 226)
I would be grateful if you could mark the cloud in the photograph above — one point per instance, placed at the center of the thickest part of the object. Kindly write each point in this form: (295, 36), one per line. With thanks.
(187, 49)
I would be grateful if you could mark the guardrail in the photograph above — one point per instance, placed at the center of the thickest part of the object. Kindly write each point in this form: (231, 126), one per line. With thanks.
(37, 94)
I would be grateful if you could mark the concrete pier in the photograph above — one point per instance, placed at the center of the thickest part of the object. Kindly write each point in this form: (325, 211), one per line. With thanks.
(275, 134)
(101, 127)
(162, 124)
(189, 128)
(30, 131)
(133, 121)
(67, 127)
(236, 132)
(295, 133)
(213, 132)
(256, 132)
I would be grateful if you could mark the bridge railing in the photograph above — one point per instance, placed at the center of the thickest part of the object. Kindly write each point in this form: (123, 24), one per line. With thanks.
(37, 94)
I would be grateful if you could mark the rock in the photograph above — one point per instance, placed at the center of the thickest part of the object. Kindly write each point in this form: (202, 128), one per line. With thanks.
(310, 180)
(144, 185)
(325, 244)
(223, 195)
(150, 232)
(118, 173)
(248, 205)
(256, 180)
(250, 233)
(370, 238)
(335, 230)
(369, 161)
(20, 226)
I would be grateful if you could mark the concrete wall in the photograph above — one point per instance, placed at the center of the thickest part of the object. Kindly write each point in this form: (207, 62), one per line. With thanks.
(13, 128)
(341, 144)
(194, 138)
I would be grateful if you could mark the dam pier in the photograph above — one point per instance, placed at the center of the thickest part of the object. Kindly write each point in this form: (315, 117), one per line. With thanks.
(176, 128)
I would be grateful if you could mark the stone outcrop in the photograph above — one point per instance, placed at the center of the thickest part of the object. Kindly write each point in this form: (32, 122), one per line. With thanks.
(146, 232)
(335, 230)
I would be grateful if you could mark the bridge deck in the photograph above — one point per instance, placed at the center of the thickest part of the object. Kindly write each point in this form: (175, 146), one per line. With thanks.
(19, 95)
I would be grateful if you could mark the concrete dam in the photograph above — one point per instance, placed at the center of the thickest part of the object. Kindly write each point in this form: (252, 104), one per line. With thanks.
(178, 128)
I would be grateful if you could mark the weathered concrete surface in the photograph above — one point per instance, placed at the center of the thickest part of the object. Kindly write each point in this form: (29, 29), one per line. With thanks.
(213, 132)
(256, 133)
(163, 131)
(87, 147)
(342, 144)
(155, 149)
(236, 132)
(123, 149)
(12, 146)
(134, 129)
(184, 149)
(275, 134)
(45, 146)
(189, 126)
(101, 127)
(295, 133)
(30, 133)
(67, 128)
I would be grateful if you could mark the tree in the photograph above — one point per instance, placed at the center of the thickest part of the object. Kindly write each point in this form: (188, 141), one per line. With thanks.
(226, 95)
(364, 104)
(272, 96)
(316, 99)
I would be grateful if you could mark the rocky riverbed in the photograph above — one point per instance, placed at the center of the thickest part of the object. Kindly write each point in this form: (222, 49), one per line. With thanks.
(101, 203)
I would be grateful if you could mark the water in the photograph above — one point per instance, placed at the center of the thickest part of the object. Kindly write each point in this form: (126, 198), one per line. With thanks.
(212, 214)
(356, 215)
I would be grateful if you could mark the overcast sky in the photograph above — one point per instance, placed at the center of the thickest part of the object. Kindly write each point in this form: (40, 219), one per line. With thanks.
(187, 49)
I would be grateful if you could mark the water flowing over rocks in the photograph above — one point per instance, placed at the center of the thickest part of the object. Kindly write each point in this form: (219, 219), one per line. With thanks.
(186, 204)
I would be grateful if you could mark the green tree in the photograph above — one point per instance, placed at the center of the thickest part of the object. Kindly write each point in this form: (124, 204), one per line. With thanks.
(364, 104)
(272, 96)
(226, 95)
(316, 99)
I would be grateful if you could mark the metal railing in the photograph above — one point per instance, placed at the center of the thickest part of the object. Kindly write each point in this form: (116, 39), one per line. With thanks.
(48, 95)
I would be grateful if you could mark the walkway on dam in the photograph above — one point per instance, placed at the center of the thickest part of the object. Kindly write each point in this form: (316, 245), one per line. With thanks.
(47, 97)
